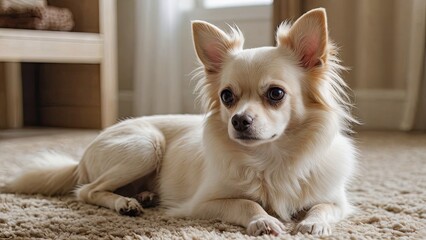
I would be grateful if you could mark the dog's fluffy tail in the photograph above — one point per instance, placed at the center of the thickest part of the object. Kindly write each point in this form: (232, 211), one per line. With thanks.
(50, 174)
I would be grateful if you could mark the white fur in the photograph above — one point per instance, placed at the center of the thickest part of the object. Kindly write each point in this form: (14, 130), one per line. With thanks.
(203, 171)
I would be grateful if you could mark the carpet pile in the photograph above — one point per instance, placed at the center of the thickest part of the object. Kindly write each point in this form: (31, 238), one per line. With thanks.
(389, 194)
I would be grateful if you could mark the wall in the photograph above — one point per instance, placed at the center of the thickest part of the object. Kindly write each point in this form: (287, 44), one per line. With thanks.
(421, 108)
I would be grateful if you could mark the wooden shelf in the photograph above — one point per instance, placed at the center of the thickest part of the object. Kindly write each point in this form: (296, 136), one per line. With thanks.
(18, 45)
(89, 84)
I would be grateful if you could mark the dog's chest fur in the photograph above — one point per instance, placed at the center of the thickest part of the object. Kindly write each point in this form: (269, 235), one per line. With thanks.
(272, 181)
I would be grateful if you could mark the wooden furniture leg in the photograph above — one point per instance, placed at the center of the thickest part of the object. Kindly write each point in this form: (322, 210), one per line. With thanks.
(14, 103)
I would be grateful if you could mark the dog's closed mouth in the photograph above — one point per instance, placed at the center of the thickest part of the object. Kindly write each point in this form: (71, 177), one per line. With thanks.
(248, 138)
(251, 138)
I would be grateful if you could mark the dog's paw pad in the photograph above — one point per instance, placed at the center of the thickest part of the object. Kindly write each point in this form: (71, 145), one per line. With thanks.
(148, 199)
(314, 228)
(129, 207)
(265, 225)
(132, 212)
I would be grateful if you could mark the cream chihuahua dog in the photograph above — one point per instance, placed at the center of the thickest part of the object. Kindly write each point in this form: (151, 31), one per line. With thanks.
(272, 143)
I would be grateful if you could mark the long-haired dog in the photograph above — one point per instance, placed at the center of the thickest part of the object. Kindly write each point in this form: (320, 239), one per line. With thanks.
(272, 143)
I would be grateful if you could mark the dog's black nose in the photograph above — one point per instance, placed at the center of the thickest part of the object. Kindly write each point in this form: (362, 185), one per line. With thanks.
(241, 122)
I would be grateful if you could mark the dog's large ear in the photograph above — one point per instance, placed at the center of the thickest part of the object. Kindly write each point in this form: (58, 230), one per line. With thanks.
(308, 37)
(213, 45)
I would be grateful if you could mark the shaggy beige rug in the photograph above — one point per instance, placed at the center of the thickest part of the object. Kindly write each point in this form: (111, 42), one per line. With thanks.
(390, 195)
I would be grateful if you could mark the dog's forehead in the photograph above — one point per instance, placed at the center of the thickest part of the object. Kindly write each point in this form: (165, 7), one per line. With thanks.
(257, 56)
(251, 66)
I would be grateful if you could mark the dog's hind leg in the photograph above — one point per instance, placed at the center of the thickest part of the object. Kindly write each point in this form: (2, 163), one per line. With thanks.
(100, 192)
(120, 160)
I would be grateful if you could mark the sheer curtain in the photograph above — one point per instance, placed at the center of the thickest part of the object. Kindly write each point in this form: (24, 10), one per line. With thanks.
(157, 76)
(383, 43)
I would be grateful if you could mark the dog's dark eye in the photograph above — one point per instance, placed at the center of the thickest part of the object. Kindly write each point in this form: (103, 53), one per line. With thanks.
(227, 97)
(276, 94)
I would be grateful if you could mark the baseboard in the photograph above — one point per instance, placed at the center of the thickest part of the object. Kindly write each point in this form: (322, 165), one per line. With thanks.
(380, 108)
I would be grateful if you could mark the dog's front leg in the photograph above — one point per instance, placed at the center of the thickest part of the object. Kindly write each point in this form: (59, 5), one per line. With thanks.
(242, 212)
(318, 219)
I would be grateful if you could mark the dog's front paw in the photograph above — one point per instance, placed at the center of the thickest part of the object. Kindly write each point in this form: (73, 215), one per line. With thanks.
(313, 227)
(265, 225)
(128, 207)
